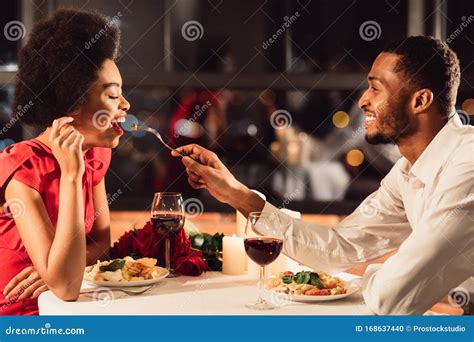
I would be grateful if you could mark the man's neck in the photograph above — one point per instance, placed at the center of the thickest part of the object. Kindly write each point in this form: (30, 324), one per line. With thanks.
(412, 146)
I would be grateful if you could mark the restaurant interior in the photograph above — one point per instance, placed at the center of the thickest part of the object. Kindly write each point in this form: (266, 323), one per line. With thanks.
(272, 87)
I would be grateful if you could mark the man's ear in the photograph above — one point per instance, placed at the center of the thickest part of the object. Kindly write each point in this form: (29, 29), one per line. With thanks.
(422, 100)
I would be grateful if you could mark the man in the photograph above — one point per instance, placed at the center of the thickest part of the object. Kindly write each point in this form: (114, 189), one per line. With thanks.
(423, 204)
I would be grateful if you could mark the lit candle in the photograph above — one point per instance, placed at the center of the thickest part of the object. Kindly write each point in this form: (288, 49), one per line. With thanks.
(234, 259)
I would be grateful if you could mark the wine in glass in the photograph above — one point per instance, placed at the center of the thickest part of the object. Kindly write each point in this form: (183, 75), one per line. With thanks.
(167, 217)
(263, 249)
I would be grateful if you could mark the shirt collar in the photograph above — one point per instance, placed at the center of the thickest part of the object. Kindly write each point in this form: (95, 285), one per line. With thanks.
(427, 166)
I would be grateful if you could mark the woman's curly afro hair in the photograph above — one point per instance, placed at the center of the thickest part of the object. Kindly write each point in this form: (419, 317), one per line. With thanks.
(60, 62)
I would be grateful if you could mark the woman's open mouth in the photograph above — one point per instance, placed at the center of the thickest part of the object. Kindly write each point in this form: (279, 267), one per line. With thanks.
(115, 124)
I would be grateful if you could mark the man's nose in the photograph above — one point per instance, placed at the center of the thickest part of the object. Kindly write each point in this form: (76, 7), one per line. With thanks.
(363, 101)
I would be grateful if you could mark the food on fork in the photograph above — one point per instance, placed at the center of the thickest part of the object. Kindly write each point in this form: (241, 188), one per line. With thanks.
(307, 283)
(126, 269)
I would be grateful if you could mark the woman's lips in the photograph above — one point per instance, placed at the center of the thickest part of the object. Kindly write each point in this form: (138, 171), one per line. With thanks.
(117, 127)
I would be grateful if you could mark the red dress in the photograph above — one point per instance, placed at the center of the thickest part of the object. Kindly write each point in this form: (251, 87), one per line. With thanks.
(32, 163)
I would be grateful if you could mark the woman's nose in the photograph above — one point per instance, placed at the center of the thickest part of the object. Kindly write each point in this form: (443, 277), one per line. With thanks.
(124, 105)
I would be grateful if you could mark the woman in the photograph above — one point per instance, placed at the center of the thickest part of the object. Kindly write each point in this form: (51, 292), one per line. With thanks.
(54, 217)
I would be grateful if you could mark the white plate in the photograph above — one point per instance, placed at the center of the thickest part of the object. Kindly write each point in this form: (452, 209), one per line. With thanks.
(309, 299)
(163, 273)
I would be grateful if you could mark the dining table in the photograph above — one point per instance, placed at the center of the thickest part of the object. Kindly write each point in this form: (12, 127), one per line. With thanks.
(212, 293)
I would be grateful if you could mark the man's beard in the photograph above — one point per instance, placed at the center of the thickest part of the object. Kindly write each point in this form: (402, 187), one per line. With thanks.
(392, 124)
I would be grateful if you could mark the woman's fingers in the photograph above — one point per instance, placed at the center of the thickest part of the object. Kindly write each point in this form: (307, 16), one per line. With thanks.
(21, 287)
(64, 135)
(28, 292)
(24, 284)
(57, 125)
(78, 141)
(24, 274)
(39, 291)
(73, 140)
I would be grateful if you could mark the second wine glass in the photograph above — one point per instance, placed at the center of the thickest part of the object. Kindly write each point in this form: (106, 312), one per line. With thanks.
(167, 217)
(263, 249)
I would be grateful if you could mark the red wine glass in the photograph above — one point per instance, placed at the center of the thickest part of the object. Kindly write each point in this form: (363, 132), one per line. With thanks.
(167, 217)
(263, 249)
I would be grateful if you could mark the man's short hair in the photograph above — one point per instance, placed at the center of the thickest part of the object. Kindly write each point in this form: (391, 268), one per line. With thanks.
(427, 62)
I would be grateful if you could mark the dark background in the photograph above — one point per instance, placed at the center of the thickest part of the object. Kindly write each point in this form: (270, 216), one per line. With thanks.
(314, 69)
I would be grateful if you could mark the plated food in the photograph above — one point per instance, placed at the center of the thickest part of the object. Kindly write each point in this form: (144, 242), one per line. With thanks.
(307, 283)
(125, 272)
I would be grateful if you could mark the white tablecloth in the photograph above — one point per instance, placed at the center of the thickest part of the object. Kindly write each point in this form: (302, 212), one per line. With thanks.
(210, 294)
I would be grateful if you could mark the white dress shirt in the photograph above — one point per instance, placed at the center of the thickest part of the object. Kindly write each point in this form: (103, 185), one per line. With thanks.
(425, 209)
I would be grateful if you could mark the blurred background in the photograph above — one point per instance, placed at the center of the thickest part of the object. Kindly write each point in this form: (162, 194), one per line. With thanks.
(271, 86)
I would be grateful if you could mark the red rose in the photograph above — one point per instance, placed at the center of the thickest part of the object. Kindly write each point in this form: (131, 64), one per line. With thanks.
(180, 244)
(190, 264)
(125, 246)
(148, 242)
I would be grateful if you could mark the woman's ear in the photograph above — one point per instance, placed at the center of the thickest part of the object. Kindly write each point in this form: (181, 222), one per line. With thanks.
(422, 100)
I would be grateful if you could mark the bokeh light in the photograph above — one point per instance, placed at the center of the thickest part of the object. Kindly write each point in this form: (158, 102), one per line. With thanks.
(355, 157)
(340, 119)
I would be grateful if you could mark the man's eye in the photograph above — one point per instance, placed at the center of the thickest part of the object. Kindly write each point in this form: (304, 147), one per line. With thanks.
(113, 97)
(373, 88)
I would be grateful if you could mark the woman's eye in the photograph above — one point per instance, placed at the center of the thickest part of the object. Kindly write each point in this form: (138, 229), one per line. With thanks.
(113, 97)
(373, 88)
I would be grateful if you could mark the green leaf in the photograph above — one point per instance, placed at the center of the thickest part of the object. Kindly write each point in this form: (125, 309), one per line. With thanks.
(211, 248)
(287, 279)
(316, 282)
(113, 266)
(302, 277)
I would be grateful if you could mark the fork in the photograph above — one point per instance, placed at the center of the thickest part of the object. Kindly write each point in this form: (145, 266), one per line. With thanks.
(135, 128)
(127, 292)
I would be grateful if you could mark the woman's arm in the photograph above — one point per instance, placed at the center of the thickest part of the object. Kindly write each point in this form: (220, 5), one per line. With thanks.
(59, 255)
(28, 282)
(98, 241)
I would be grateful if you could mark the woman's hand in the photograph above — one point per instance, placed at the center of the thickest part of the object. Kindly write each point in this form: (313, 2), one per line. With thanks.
(66, 145)
(26, 284)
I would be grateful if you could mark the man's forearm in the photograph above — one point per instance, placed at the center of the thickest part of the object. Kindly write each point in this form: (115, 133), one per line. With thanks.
(245, 200)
